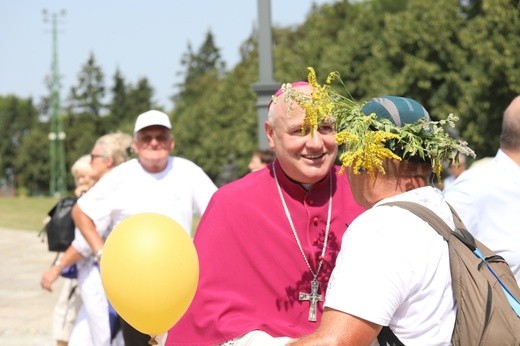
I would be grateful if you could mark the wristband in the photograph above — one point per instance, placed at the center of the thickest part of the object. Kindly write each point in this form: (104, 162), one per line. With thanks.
(98, 255)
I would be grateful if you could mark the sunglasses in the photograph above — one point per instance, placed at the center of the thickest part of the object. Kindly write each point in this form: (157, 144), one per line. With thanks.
(94, 156)
(159, 138)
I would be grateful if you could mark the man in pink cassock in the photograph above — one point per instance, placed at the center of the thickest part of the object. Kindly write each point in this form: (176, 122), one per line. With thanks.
(267, 242)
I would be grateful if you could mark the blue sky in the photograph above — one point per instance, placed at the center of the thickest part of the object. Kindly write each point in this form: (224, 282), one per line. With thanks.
(144, 38)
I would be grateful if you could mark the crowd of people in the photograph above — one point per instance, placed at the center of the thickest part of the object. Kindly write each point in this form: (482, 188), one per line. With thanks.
(303, 250)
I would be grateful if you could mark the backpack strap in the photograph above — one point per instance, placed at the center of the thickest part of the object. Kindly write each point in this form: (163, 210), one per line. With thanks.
(460, 230)
(461, 233)
(431, 218)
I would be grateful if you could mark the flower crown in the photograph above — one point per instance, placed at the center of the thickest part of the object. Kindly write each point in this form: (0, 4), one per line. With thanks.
(367, 140)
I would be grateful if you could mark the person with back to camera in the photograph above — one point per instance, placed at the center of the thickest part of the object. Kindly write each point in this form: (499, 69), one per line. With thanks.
(487, 197)
(393, 268)
(260, 159)
(93, 325)
(153, 182)
(268, 241)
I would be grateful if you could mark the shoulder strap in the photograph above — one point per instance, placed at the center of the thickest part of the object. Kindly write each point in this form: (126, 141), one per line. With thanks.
(430, 217)
(438, 224)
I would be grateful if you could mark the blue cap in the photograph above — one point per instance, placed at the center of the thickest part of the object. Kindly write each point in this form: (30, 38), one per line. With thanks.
(399, 110)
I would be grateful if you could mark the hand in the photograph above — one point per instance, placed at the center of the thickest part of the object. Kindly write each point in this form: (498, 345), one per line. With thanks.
(52, 274)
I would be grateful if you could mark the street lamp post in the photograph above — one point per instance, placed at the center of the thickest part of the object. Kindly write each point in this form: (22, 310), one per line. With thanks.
(266, 86)
(58, 180)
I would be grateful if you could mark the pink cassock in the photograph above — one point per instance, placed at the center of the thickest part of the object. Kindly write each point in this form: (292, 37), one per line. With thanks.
(251, 269)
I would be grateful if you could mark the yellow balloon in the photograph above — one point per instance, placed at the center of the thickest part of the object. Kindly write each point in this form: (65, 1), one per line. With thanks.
(150, 270)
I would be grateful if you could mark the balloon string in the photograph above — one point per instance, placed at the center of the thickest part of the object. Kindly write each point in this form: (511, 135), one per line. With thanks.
(152, 340)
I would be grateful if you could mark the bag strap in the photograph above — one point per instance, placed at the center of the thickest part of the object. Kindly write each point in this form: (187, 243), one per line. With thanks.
(432, 219)
(461, 233)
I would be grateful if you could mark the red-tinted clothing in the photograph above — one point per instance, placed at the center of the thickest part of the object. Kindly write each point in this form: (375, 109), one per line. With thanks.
(251, 269)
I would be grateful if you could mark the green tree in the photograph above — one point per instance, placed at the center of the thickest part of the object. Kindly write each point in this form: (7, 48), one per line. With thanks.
(354, 48)
(193, 120)
(119, 109)
(422, 64)
(198, 109)
(86, 98)
(205, 59)
(82, 133)
(127, 101)
(491, 74)
(235, 128)
(140, 98)
(307, 45)
(17, 117)
(32, 161)
(83, 116)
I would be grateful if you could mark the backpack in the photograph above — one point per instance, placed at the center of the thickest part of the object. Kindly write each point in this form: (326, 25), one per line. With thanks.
(60, 228)
(485, 315)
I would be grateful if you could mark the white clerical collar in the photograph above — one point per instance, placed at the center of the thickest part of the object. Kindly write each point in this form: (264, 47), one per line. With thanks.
(307, 186)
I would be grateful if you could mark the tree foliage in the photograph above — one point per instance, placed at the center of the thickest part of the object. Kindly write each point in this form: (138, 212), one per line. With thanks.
(196, 107)
(31, 163)
(120, 105)
(206, 60)
(459, 57)
(17, 118)
(86, 98)
(491, 74)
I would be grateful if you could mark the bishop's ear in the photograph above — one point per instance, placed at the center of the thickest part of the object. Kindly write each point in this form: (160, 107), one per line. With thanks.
(269, 133)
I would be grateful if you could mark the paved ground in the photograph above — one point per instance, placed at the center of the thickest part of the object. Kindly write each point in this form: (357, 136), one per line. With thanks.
(25, 308)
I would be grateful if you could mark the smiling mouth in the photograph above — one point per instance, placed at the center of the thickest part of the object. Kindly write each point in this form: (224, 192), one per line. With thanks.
(313, 157)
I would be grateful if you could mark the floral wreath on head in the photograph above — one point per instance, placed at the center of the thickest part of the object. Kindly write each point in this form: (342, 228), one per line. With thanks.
(368, 140)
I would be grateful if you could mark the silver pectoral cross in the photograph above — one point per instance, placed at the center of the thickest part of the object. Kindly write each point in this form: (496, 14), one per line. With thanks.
(313, 297)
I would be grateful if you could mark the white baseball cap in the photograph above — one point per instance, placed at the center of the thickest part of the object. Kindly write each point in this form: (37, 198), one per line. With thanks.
(151, 118)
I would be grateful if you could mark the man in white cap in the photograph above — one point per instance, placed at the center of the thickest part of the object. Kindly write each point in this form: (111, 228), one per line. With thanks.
(153, 182)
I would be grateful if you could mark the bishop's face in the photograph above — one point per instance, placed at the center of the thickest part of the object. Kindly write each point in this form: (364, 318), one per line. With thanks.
(305, 157)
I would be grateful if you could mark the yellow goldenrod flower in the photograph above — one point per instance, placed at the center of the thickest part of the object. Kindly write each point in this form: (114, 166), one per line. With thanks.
(367, 140)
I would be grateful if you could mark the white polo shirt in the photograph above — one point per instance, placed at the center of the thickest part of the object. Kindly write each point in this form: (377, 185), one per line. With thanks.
(487, 198)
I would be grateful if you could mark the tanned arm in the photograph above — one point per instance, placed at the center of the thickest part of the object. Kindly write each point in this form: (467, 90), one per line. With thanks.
(339, 328)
